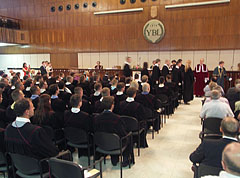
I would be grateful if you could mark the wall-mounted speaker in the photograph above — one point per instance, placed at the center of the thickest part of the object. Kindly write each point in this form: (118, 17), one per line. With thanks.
(68, 7)
(85, 5)
(76, 6)
(94, 4)
(122, 1)
(53, 9)
(132, 1)
(60, 8)
(143, 0)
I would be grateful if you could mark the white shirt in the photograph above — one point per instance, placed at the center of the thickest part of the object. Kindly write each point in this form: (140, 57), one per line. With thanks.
(231, 138)
(20, 121)
(68, 83)
(130, 99)
(222, 99)
(28, 88)
(127, 63)
(101, 99)
(119, 93)
(75, 110)
(223, 174)
(97, 93)
(128, 84)
(42, 90)
(215, 108)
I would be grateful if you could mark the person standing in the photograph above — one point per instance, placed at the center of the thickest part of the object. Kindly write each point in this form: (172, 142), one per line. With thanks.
(177, 78)
(43, 68)
(127, 71)
(219, 74)
(156, 72)
(188, 83)
(98, 66)
(26, 70)
(145, 69)
(201, 76)
(165, 68)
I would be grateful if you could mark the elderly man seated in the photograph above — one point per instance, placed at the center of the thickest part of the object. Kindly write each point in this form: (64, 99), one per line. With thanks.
(208, 154)
(222, 99)
(216, 108)
(230, 162)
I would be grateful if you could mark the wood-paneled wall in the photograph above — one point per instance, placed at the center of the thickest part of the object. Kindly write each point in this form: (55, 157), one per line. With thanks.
(66, 60)
(195, 28)
(14, 36)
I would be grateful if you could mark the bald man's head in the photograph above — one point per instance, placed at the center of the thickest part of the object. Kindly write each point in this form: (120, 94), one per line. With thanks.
(230, 127)
(231, 158)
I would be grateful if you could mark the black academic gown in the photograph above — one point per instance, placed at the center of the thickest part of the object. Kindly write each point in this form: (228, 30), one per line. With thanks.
(127, 71)
(165, 71)
(188, 86)
(33, 141)
(156, 73)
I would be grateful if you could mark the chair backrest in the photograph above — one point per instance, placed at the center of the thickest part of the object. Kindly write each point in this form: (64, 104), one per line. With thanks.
(212, 124)
(76, 135)
(65, 169)
(204, 170)
(25, 164)
(2, 158)
(163, 98)
(107, 141)
(131, 123)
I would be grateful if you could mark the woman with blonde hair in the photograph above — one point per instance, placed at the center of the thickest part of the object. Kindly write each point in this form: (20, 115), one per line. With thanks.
(188, 83)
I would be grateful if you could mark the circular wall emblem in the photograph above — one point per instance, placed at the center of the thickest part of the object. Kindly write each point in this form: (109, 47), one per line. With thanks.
(153, 31)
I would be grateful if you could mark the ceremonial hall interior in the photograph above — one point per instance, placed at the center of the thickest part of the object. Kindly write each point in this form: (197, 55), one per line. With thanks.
(119, 88)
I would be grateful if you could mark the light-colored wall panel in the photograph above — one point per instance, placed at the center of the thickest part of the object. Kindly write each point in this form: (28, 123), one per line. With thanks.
(188, 55)
(153, 56)
(112, 59)
(164, 55)
(87, 60)
(134, 56)
(236, 59)
(142, 57)
(80, 60)
(228, 58)
(212, 59)
(175, 55)
(198, 55)
(94, 58)
(104, 59)
(122, 58)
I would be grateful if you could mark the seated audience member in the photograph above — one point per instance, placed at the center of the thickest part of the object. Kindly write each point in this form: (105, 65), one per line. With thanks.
(113, 90)
(144, 80)
(132, 108)
(86, 105)
(75, 117)
(2, 113)
(216, 108)
(237, 110)
(58, 79)
(84, 85)
(119, 96)
(162, 89)
(233, 94)
(98, 108)
(145, 69)
(63, 95)
(44, 115)
(43, 87)
(209, 151)
(28, 84)
(10, 114)
(69, 84)
(51, 80)
(24, 138)
(135, 85)
(150, 102)
(208, 88)
(2, 143)
(19, 85)
(96, 96)
(58, 105)
(38, 79)
(4, 85)
(222, 99)
(136, 78)
(127, 83)
(230, 162)
(35, 91)
(109, 122)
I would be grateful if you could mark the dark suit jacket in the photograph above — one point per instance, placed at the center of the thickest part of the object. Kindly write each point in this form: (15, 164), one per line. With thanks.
(71, 87)
(43, 70)
(149, 101)
(35, 102)
(209, 152)
(127, 72)
(110, 123)
(10, 115)
(2, 118)
(144, 72)
(63, 95)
